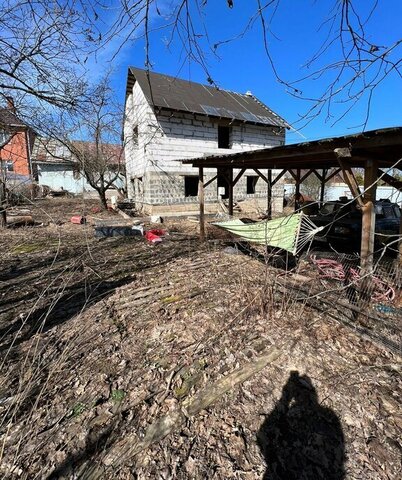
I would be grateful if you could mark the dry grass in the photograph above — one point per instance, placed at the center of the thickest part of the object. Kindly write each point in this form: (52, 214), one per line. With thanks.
(102, 339)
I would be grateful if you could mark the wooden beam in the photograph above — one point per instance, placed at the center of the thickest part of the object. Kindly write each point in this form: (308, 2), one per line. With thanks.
(343, 154)
(239, 175)
(317, 175)
(322, 188)
(297, 189)
(201, 201)
(368, 220)
(210, 181)
(278, 177)
(332, 174)
(269, 194)
(230, 186)
(392, 181)
(306, 175)
(261, 175)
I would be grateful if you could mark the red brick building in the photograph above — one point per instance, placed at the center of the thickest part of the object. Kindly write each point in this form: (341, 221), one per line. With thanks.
(16, 142)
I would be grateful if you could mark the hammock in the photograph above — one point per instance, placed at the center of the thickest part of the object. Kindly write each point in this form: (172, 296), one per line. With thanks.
(290, 233)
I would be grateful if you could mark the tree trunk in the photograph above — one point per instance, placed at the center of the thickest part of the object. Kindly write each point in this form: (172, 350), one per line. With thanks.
(3, 214)
(102, 197)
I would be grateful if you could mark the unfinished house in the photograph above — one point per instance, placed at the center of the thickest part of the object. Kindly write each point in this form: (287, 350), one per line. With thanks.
(168, 119)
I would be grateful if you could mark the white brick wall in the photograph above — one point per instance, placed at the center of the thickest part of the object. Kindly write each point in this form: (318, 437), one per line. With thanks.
(167, 138)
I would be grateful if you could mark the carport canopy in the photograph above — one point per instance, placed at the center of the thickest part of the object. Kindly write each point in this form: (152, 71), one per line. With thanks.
(378, 152)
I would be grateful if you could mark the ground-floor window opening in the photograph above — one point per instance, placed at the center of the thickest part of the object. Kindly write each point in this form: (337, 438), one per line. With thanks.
(190, 186)
(251, 183)
(223, 183)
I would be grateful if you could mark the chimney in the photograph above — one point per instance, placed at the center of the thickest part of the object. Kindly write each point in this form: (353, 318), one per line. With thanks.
(10, 104)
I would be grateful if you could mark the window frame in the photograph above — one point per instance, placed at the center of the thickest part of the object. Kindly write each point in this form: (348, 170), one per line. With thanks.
(224, 131)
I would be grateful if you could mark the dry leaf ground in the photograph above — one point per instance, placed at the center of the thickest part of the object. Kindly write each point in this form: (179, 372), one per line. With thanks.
(102, 340)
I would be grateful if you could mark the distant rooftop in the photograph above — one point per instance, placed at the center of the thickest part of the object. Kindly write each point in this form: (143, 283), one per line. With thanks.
(166, 92)
(9, 119)
(52, 151)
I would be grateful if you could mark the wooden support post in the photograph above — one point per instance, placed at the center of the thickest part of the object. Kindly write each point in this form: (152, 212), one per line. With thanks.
(201, 200)
(269, 194)
(368, 213)
(297, 190)
(322, 189)
(230, 183)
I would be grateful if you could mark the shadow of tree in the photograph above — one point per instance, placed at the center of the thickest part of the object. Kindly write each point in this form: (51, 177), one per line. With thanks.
(81, 294)
(300, 439)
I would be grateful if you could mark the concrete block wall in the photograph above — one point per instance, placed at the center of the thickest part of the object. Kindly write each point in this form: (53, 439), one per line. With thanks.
(167, 190)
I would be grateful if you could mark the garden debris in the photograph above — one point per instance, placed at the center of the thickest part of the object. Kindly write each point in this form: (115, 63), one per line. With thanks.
(19, 220)
(78, 219)
(155, 235)
(118, 231)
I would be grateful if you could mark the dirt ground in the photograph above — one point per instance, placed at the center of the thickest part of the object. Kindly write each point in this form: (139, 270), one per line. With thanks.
(126, 360)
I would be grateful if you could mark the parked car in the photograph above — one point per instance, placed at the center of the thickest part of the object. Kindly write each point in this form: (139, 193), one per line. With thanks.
(343, 222)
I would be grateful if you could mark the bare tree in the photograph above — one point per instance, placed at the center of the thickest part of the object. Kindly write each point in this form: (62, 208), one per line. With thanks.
(42, 44)
(346, 68)
(98, 153)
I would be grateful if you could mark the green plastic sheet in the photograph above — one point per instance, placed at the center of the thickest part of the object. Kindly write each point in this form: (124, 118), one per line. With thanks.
(281, 232)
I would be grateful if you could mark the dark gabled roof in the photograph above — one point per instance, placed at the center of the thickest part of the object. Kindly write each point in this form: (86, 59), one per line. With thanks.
(9, 119)
(165, 92)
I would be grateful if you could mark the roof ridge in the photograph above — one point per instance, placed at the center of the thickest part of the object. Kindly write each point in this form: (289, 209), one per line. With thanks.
(266, 107)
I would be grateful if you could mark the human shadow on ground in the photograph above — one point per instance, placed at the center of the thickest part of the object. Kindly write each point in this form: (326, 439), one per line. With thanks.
(300, 439)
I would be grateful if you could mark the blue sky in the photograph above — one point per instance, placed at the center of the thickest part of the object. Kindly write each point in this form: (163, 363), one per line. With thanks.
(243, 64)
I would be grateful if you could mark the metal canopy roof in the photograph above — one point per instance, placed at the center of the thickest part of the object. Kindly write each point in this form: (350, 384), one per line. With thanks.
(385, 145)
(165, 92)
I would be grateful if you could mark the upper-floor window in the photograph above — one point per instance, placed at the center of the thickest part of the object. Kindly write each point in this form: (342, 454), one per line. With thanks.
(135, 135)
(4, 137)
(224, 136)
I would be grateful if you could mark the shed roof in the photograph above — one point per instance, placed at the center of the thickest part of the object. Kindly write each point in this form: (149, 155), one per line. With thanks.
(166, 92)
(385, 145)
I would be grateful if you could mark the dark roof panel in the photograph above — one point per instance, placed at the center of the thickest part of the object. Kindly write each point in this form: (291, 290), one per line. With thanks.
(163, 91)
(9, 119)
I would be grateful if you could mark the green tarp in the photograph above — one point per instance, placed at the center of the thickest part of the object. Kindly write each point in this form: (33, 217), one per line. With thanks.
(281, 232)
